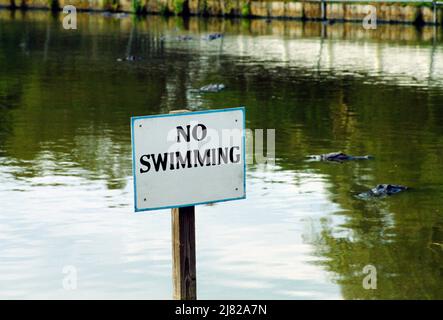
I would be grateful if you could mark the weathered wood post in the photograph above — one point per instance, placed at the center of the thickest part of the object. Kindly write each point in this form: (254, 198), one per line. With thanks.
(184, 273)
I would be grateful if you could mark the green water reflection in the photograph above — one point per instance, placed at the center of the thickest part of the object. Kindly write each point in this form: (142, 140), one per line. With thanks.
(65, 104)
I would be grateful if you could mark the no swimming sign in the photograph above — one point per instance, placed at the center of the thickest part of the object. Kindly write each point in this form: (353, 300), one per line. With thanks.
(188, 158)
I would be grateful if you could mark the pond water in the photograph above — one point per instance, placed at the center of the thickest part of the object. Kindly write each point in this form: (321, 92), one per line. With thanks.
(66, 196)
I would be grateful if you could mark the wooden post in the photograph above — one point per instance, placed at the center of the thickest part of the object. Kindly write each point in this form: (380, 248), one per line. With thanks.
(323, 10)
(184, 274)
(183, 254)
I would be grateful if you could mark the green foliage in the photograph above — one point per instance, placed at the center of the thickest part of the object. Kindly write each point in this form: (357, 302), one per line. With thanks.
(229, 7)
(399, 3)
(419, 4)
(246, 24)
(204, 7)
(53, 5)
(179, 6)
(112, 5)
(136, 6)
(115, 4)
(164, 10)
(246, 9)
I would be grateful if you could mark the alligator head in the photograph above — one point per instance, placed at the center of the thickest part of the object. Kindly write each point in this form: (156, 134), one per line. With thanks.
(382, 190)
(338, 157)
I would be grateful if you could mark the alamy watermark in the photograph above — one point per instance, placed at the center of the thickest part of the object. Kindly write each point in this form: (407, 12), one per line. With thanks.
(69, 281)
(70, 20)
(370, 20)
(224, 144)
(370, 281)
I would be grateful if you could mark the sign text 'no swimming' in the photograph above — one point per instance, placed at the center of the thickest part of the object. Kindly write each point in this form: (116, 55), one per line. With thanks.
(188, 158)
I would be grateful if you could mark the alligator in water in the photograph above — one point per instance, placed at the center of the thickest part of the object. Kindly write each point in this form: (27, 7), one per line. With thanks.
(130, 58)
(214, 87)
(184, 38)
(383, 190)
(212, 36)
(337, 156)
(119, 15)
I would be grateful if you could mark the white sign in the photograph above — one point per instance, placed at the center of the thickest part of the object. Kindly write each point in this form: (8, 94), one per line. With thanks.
(190, 158)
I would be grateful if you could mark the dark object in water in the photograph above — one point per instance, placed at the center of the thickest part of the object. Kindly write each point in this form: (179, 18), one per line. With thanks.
(213, 87)
(107, 14)
(383, 190)
(213, 36)
(121, 15)
(328, 22)
(130, 58)
(338, 156)
(184, 38)
(118, 15)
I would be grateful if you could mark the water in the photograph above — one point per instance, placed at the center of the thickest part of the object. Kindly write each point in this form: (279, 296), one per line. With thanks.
(65, 158)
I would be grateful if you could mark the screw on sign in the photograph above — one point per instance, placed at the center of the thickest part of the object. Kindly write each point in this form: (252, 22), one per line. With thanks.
(184, 159)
